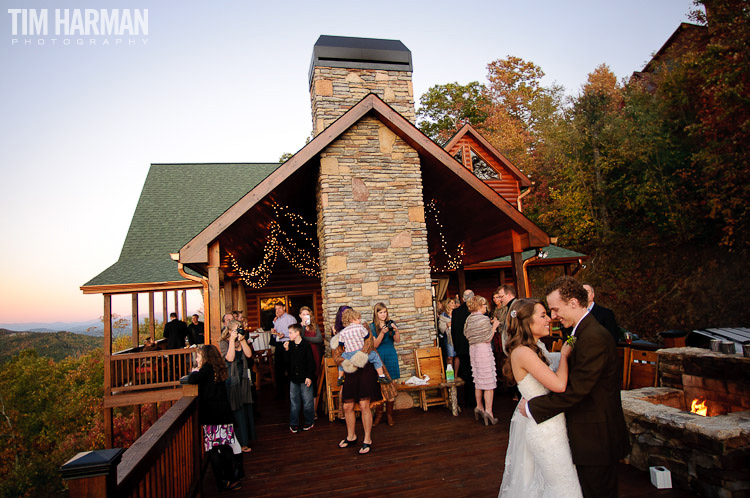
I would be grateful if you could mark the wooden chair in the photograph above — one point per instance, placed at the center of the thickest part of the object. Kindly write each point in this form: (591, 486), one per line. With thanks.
(263, 367)
(642, 368)
(331, 373)
(556, 346)
(429, 361)
(623, 356)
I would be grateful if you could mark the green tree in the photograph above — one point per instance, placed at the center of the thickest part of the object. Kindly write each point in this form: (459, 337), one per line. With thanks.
(443, 109)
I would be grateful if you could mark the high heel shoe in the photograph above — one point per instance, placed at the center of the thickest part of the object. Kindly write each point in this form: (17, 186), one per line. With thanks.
(478, 412)
(489, 419)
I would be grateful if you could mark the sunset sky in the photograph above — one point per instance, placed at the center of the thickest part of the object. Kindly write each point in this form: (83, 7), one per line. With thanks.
(227, 82)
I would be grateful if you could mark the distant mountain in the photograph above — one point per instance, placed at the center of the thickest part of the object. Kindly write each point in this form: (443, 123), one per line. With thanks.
(54, 345)
(76, 327)
(95, 326)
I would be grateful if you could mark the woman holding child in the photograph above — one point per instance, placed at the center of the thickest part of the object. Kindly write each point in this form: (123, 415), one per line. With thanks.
(360, 383)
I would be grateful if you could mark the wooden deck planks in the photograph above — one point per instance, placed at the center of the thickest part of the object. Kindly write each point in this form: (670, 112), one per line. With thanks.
(426, 454)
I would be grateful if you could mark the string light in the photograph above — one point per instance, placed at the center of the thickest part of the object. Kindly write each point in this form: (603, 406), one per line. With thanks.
(454, 260)
(300, 248)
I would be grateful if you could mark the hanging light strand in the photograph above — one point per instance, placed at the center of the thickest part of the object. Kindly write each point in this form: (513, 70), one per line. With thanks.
(454, 259)
(300, 248)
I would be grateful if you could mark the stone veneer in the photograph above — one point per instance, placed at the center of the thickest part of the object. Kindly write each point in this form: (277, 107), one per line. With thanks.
(707, 455)
(335, 90)
(372, 233)
(723, 380)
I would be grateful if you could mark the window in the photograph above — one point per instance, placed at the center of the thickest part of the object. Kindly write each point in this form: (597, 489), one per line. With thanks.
(481, 169)
(459, 156)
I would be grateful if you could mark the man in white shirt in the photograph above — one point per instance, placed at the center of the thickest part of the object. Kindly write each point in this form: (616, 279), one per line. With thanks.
(281, 332)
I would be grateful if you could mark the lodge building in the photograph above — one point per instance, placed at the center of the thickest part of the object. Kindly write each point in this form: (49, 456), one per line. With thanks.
(370, 210)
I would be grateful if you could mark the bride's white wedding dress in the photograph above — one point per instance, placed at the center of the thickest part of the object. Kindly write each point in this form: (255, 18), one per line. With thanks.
(538, 462)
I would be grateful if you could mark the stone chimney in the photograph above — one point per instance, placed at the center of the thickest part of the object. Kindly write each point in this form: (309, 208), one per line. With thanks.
(344, 70)
(371, 220)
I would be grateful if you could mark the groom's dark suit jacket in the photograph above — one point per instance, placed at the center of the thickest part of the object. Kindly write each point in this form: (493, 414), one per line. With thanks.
(591, 402)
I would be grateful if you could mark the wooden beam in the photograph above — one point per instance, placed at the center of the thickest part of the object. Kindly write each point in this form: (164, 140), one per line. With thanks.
(461, 281)
(151, 396)
(107, 317)
(165, 309)
(134, 318)
(184, 306)
(151, 322)
(227, 295)
(140, 287)
(176, 305)
(214, 296)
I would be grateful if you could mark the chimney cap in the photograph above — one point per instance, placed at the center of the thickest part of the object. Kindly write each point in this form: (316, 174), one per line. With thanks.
(360, 53)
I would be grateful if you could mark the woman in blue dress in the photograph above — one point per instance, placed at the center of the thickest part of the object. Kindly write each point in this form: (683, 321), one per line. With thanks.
(386, 334)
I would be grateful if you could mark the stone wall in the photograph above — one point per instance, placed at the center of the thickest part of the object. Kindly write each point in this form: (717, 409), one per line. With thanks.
(335, 90)
(372, 233)
(723, 380)
(706, 455)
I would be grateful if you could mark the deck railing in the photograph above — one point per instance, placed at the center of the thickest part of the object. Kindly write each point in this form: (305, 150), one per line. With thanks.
(149, 370)
(164, 461)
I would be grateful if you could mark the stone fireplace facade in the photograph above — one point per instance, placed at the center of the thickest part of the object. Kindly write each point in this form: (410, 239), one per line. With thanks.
(371, 220)
(708, 455)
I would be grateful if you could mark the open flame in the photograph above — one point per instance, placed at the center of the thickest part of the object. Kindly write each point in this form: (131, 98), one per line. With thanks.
(699, 408)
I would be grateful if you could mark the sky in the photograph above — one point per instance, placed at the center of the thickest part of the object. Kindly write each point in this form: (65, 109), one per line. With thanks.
(222, 81)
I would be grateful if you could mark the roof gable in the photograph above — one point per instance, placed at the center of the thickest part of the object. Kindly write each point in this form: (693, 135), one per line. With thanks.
(470, 132)
(196, 250)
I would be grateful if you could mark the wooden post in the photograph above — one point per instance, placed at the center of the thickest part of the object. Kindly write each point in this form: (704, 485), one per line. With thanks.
(134, 319)
(176, 305)
(516, 266)
(108, 436)
(235, 296)
(206, 316)
(184, 306)
(461, 281)
(214, 297)
(228, 295)
(242, 306)
(165, 310)
(151, 322)
(137, 420)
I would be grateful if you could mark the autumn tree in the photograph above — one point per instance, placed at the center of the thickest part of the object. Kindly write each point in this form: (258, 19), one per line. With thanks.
(48, 412)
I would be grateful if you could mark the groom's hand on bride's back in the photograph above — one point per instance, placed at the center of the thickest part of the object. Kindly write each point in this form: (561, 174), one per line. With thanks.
(522, 407)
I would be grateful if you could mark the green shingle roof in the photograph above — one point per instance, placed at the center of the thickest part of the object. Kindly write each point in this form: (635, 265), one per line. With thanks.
(553, 252)
(177, 202)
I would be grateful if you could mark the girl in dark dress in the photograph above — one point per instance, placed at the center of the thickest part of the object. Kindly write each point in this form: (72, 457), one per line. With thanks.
(215, 416)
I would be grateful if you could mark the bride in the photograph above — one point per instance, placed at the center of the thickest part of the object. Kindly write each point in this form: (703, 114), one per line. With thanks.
(538, 462)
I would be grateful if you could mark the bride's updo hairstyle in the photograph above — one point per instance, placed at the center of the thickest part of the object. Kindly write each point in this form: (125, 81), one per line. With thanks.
(518, 330)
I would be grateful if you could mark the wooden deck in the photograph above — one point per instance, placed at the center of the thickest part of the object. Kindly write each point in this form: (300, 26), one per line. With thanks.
(425, 454)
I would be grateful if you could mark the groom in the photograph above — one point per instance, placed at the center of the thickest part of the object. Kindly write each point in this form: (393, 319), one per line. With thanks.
(591, 401)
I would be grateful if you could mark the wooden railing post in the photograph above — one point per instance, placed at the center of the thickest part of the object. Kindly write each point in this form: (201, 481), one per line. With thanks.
(92, 473)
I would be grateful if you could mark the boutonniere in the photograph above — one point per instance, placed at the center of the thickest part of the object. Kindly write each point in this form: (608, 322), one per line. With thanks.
(571, 341)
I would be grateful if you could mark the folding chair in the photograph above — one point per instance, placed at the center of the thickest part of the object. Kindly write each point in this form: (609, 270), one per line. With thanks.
(429, 361)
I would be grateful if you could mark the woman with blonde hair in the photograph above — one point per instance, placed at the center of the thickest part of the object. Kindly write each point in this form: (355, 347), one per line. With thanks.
(538, 461)
(479, 331)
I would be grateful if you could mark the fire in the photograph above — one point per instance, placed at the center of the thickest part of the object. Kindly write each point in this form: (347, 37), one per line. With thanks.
(699, 408)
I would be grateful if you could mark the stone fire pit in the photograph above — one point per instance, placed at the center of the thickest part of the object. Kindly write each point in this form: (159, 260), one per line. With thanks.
(707, 455)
